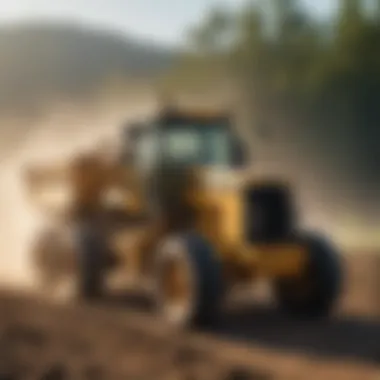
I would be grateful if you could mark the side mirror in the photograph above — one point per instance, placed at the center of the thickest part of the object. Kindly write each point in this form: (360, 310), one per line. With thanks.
(239, 156)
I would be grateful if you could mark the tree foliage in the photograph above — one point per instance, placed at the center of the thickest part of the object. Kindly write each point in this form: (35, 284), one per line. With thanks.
(315, 81)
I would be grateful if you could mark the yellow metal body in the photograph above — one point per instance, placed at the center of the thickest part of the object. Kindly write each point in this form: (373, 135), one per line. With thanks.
(219, 217)
(220, 220)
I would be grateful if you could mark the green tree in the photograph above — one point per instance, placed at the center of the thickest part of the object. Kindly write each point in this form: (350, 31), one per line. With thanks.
(318, 81)
(213, 33)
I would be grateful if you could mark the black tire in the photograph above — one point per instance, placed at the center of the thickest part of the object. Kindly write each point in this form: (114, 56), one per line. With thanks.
(92, 250)
(325, 272)
(206, 276)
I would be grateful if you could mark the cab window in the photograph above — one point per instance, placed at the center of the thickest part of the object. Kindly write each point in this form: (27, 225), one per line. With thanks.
(197, 145)
(146, 151)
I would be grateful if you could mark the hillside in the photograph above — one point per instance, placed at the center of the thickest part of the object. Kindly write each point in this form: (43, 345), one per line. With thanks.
(43, 60)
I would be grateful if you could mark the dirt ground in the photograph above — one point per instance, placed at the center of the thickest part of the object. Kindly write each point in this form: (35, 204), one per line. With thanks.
(39, 340)
(362, 286)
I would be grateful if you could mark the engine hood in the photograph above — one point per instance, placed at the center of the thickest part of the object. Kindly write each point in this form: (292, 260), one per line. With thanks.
(234, 180)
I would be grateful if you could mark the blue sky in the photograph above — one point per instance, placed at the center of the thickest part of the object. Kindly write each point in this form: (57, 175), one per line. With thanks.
(163, 20)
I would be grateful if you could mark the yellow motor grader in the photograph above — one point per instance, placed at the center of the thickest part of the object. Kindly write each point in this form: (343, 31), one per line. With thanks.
(178, 209)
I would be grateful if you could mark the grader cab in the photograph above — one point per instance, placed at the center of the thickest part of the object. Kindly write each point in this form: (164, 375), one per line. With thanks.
(195, 224)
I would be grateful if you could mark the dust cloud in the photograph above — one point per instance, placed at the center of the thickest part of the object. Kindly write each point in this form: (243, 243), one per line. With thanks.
(60, 133)
(68, 128)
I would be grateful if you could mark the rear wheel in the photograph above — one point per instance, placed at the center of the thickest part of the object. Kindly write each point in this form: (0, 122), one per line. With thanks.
(315, 293)
(189, 283)
(70, 262)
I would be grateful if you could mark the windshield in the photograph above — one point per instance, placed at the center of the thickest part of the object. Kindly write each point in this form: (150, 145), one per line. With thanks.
(197, 145)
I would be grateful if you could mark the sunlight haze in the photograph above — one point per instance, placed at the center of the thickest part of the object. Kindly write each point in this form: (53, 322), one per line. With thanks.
(161, 20)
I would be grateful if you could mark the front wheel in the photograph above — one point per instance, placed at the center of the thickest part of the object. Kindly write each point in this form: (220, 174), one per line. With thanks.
(189, 283)
(314, 294)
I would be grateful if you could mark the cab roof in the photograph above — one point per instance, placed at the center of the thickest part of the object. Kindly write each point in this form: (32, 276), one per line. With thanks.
(169, 116)
(201, 115)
